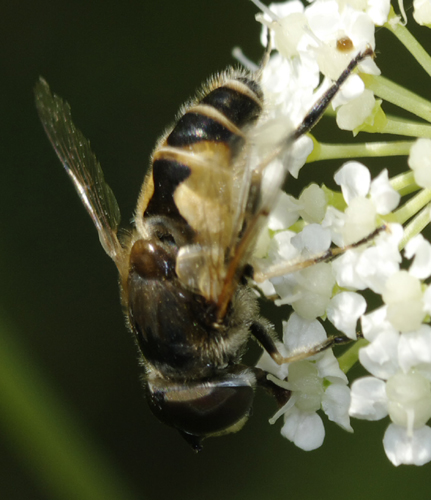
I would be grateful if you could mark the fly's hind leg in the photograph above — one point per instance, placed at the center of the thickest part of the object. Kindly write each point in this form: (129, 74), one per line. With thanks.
(260, 275)
(272, 385)
(265, 339)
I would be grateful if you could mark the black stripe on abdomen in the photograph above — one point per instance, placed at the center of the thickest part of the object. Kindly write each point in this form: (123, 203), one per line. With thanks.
(195, 127)
(167, 175)
(237, 107)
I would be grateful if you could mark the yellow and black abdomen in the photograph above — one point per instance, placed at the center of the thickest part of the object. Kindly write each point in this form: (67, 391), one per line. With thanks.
(201, 149)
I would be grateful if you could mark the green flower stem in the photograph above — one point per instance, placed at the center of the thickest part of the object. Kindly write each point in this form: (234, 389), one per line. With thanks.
(411, 44)
(398, 95)
(351, 356)
(398, 126)
(416, 225)
(324, 151)
(412, 207)
(60, 455)
(404, 183)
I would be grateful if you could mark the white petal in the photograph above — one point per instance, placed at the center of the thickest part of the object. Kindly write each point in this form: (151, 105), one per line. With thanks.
(313, 201)
(344, 311)
(305, 430)
(334, 220)
(354, 179)
(283, 246)
(409, 400)
(300, 333)
(415, 348)
(345, 270)
(360, 220)
(384, 196)
(313, 290)
(281, 10)
(380, 357)
(375, 323)
(329, 368)
(285, 212)
(420, 162)
(422, 12)
(369, 400)
(298, 154)
(403, 296)
(267, 288)
(335, 404)
(354, 113)
(378, 10)
(421, 249)
(401, 448)
(324, 19)
(267, 364)
(312, 240)
(427, 300)
(378, 263)
(351, 93)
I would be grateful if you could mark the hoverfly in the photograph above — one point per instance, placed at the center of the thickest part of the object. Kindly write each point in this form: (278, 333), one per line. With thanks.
(185, 268)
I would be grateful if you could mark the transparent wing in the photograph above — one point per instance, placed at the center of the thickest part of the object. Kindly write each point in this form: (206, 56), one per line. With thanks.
(207, 199)
(224, 202)
(260, 187)
(80, 163)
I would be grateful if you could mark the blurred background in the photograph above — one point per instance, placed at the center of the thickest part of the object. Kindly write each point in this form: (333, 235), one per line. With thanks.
(125, 68)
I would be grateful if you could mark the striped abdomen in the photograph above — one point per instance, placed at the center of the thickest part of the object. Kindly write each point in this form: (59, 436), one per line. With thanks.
(203, 148)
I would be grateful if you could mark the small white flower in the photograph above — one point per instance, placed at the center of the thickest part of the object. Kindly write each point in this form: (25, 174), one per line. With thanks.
(329, 21)
(359, 218)
(355, 181)
(401, 389)
(372, 266)
(316, 383)
(365, 199)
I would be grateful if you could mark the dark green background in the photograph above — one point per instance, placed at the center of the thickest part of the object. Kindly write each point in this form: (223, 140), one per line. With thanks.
(125, 67)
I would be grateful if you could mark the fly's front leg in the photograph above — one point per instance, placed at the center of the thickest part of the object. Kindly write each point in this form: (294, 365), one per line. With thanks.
(317, 111)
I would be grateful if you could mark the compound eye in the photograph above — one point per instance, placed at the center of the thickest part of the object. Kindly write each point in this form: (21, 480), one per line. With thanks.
(199, 410)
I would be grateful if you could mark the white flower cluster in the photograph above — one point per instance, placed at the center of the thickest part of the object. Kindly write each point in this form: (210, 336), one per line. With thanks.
(398, 356)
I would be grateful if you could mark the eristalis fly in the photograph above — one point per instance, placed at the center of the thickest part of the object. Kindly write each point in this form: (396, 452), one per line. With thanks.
(185, 270)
